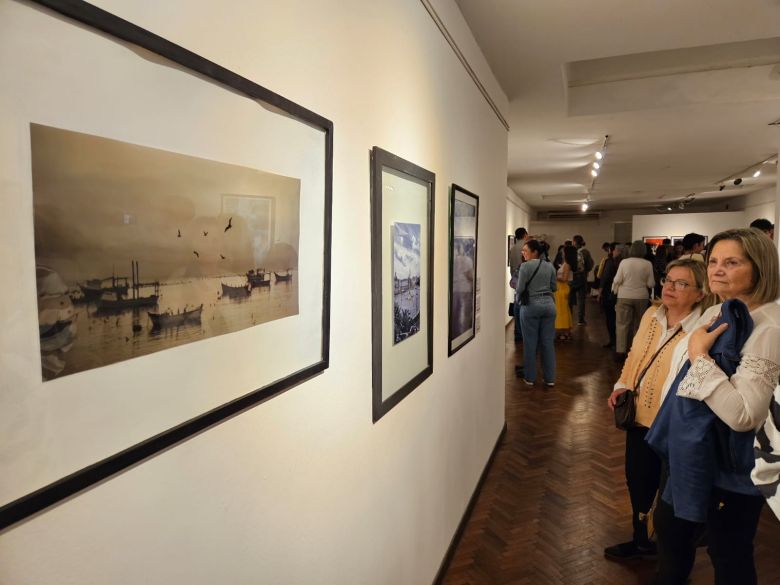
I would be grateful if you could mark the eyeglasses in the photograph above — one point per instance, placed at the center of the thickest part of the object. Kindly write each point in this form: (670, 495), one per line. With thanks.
(676, 284)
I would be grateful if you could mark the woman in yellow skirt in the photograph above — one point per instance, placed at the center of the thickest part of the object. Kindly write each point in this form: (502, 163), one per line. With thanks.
(563, 314)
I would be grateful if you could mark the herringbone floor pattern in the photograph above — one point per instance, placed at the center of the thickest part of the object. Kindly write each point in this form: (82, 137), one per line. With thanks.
(555, 495)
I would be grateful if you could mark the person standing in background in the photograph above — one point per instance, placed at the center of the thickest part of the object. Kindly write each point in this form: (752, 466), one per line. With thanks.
(515, 260)
(606, 297)
(580, 279)
(693, 244)
(632, 285)
(765, 226)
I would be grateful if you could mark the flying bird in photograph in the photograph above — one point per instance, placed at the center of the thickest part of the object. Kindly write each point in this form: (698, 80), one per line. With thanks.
(229, 225)
(205, 234)
(178, 236)
(196, 253)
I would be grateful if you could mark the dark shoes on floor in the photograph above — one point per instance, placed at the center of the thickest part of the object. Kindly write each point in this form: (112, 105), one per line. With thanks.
(631, 550)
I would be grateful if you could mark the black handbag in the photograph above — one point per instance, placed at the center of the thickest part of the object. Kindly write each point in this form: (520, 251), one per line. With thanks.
(625, 403)
(625, 410)
(511, 309)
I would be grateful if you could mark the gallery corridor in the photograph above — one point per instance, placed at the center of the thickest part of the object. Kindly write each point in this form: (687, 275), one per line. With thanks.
(555, 494)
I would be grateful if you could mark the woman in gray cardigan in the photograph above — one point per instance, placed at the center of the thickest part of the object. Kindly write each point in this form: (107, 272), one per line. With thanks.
(537, 316)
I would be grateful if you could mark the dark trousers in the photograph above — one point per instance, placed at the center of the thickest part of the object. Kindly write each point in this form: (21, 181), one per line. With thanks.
(608, 306)
(582, 294)
(730, 529)
(643, 472)
(518, 331)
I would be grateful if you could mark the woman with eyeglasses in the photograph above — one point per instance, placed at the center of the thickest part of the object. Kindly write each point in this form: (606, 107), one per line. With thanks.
(662, 327)
(709, 458)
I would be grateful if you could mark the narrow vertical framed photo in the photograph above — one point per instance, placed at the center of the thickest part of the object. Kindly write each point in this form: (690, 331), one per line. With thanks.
(464, 224)
(402, 214)
(510, 242)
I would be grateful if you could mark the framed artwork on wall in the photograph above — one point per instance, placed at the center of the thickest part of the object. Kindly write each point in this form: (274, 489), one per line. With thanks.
(510, 242)
(464, 228)
(165, 280)
(654, 241)
(402, 214)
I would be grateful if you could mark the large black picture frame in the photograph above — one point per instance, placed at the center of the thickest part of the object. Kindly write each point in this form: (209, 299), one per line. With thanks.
(91, 19)
(461, 232)
(387, 352)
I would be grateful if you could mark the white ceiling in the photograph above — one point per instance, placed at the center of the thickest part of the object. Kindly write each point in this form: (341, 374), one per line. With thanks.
(685, 89)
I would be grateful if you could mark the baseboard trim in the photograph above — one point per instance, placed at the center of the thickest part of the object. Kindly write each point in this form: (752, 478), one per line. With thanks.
(467, 513)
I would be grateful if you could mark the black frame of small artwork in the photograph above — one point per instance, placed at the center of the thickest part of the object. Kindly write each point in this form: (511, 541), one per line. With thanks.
(381, 159)
(93, 19)
(450, 338)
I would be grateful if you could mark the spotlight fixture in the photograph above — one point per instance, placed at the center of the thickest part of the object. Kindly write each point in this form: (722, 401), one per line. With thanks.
(668, 208)
(596, 166)
(721, 187)
(599, 155)
(753, 170)
(585, 206)
(595, 173)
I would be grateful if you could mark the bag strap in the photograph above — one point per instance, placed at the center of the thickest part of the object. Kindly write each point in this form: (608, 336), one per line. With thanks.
(652, 359)
(538, 266)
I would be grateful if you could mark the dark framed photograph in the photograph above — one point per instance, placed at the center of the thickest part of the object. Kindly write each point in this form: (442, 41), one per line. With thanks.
(464, 228)
(402, 214)
(176, 270)
(510, 242)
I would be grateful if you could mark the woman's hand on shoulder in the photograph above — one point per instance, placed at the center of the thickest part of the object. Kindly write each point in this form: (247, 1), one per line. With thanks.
(613, 397)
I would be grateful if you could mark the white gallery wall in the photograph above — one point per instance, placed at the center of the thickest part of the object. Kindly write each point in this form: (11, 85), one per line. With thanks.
(679, 224)
(305, 488)
(518, 214)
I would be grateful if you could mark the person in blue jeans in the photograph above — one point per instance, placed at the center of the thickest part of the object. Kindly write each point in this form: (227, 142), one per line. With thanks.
(537, 316)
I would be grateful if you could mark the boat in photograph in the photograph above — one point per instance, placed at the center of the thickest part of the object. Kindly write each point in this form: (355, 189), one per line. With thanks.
(118, 301)
(256, 278)
(236, 291)
(283, 277)
(93, 289)
(170, 319)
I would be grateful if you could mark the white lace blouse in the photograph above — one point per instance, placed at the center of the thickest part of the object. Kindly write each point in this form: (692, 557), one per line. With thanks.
(742, 401)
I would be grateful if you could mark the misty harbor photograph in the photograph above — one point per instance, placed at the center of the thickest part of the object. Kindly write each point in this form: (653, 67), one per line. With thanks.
(139, 250)
(406, 280)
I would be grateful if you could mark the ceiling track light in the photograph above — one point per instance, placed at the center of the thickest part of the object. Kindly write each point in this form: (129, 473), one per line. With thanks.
(753, 170)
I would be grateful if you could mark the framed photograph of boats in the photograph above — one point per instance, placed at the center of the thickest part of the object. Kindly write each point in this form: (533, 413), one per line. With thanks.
(164, 280)
(402, 213)
(464, 224)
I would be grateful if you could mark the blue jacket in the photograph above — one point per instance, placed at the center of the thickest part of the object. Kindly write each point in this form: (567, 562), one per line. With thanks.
(700, 449)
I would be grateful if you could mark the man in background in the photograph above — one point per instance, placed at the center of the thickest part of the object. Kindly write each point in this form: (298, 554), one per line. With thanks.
(765, 226)
(693, 244)
(580, 280)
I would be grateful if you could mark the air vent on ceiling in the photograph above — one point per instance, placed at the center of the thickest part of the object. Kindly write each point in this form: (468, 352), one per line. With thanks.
(567, 215)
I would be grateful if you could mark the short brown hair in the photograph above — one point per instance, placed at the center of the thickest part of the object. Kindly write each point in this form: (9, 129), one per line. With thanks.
(763, 257)
(699, 272)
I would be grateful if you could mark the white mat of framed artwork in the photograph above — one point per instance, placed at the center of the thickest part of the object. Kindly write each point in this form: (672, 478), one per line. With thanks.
(64, 76)
(404, 200)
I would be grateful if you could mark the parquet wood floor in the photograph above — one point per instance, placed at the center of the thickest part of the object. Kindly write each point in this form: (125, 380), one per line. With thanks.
(555, 495)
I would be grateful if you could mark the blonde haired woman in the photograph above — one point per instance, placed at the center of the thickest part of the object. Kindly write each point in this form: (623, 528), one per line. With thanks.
(716, 493)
